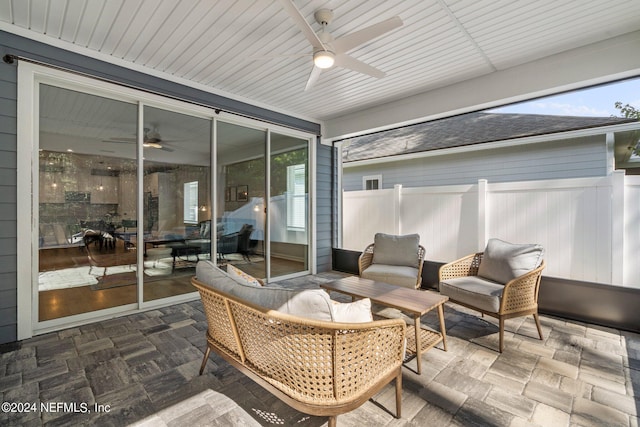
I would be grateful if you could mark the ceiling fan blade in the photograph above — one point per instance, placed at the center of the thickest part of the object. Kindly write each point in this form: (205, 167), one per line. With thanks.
(302, 24)
(355, 39)
(313, 77)
(167, 149)
(346, 61)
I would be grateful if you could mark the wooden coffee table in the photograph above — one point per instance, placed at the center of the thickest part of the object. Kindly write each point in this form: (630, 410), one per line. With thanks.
(410, 301)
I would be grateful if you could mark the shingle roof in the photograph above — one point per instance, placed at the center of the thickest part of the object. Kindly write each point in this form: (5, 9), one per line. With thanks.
(463, 130)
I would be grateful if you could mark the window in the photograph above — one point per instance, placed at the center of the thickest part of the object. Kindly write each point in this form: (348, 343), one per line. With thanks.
(373, 182)
(296, 197)
(191, 202)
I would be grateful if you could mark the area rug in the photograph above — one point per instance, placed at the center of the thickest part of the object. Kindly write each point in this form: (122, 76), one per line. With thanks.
(79, 276)
(158, 268)
(237, 259)
(74, 277)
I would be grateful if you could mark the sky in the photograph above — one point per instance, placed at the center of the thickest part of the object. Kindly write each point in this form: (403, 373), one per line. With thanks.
(598, 101)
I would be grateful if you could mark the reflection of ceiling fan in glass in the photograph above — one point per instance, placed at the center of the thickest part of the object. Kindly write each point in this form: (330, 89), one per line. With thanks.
(152, 139)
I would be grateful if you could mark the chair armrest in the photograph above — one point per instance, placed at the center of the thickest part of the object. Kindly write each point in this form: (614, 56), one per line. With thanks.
(365, 259)
(521, 293)
(466, 266)
(421, 253)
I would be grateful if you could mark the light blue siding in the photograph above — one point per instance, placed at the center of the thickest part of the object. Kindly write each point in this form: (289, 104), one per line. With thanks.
(8, 257)
(574, 158)
(324, 206)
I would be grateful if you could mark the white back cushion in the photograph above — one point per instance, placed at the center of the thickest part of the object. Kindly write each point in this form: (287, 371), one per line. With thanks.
(396, 250)
(503, 261)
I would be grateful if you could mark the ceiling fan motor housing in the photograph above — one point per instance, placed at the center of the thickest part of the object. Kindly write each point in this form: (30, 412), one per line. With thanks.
(323, 16)
(327, 39)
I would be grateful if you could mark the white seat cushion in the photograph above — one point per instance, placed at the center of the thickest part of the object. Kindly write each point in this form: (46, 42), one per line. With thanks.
(474, 291)
(393, 274)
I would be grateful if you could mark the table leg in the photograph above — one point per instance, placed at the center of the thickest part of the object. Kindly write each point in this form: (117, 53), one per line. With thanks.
(443, 331)
(418, 345)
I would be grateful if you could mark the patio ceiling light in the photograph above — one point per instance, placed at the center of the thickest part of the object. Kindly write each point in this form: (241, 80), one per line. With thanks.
(323, 59)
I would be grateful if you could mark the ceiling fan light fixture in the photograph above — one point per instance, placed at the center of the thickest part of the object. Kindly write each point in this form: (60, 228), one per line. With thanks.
(324, 59)
(150, 144)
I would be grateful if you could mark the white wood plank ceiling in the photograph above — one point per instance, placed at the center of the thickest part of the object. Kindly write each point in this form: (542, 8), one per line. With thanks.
(214, 43)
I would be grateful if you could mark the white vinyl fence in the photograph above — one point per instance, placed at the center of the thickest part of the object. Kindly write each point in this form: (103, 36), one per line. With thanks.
(589, 227)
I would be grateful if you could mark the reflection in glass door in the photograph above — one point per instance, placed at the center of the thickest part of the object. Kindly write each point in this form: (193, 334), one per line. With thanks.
(87, 182)
(241, 210)
(119, 224)
(176, 223)
(289, 205)
(262, 231)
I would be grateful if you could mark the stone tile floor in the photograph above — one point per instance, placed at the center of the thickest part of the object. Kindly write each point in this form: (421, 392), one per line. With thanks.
(143, 370)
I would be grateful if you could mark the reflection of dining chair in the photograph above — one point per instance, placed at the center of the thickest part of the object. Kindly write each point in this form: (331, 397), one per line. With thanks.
(100, 238)
(102, 260)
(128, 234)
(205, 229)
(244, 241)
(227, 244)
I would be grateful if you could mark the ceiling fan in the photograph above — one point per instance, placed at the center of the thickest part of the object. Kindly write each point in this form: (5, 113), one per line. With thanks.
(151, 139)
(329, 52)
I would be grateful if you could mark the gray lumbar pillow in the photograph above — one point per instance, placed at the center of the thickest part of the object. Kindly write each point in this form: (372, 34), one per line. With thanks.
(503, 261)
(396, 250)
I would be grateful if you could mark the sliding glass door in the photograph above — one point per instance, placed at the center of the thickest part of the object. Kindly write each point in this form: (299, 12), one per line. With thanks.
(130, 197)
(92, 223)
(263, 207)
(241, 190)
(288, 205)
(87, 182)
(176, 220)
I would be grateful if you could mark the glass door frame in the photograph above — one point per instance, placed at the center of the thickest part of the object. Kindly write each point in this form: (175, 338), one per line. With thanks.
(30, 76)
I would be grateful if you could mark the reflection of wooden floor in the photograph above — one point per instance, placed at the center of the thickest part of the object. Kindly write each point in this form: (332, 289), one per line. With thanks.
(67, 302)
(279, 267)
(58, 258)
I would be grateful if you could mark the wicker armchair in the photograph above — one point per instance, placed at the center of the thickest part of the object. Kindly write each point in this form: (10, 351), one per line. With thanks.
(516, 298)
(366, 260)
